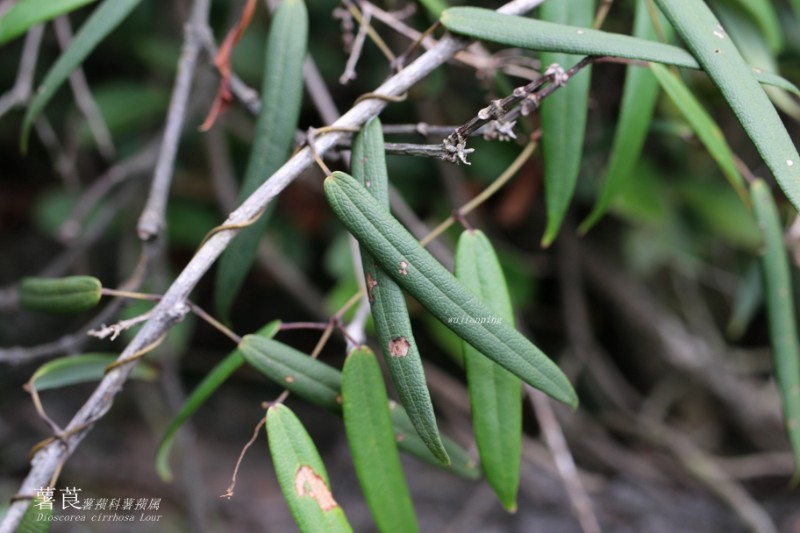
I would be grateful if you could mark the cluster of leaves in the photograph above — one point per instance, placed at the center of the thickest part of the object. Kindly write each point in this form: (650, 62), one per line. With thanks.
(474, 302)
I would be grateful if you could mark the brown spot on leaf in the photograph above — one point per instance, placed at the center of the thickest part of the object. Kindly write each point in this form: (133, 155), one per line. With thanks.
(404, 268)
(289, 379)
(398, 347)
(371, 282)
(400, 437)
(309, 483)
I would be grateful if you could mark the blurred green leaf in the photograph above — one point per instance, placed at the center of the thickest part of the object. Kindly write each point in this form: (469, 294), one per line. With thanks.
(722, 213)
(720, 58)
(746, 302)
(127, 108)
(71, 294)
(26, 14)
(638, 102)
(745, 33)
(563, 117)
(73, 370)
(763, 13)
(102, 21)
(703, 125)
(780, 313)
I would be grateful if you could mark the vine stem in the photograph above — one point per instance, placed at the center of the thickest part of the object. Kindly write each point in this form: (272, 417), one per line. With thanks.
(169, 310)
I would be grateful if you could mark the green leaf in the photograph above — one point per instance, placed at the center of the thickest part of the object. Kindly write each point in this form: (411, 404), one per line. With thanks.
(320, 384)
(715, 51)
(302, 475)
(703, 125)
(281, 97)
(37, 518)
(102, 21)
(763, 14)
(746, 302)
(563, 116)
(639, 97)
(494, 393)
(71, 294)
(372, 442)
(72, 370)
(218, 375)
(544, 36)
(388, 304)
(780, 312)
(434, 7)
(294, 370)
(26, 14)
(414, 269)
(744, 31)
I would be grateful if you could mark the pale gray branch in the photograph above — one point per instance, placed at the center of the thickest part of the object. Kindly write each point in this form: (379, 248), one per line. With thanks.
(152, 220)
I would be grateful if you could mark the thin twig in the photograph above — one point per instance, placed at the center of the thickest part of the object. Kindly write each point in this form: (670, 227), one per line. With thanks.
(565, 464)
(152, 220)
(229, 491)
(49, 457)
(21, 91)
(355, 52)
(83, 95)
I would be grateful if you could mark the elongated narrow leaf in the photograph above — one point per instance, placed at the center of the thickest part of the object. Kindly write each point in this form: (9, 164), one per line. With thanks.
(218, 375)
(321, 384)
(535, 34)
(702, 124)
(26, 14)
(763, 14)
(639, 97)
(83, 368)
(494, 393)
(434, 7)
(745, 32)
(720, 58)
(71, 294)
(281, 96)
(388, 304)
(780, 313)
(414, 269)
(302, 475)
(294, 370)
(372, 443)
(564, 118)
(102, 21)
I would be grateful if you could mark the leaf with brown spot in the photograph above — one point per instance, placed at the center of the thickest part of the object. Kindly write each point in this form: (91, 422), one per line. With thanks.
(308, 483)
(388, 304)
(302, 475)
(398, 347)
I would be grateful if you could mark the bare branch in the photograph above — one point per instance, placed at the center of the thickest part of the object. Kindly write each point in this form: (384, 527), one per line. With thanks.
(152, 220)
(83, 95)
(21, 90)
